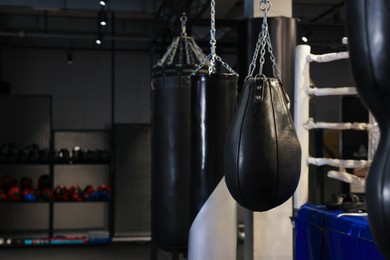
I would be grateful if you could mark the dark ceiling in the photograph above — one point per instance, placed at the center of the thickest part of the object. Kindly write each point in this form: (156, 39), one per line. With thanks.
(142, 24)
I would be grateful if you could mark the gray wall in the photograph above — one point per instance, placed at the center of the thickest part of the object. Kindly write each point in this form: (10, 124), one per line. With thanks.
(82, 91)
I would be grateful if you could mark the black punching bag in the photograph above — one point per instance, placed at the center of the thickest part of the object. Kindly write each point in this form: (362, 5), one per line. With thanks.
(171, 119)
(368, 24)
(262, 151)
(213, 104)
(213, 232)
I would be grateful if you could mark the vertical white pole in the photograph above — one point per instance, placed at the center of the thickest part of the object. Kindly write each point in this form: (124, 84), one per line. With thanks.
(301, 115)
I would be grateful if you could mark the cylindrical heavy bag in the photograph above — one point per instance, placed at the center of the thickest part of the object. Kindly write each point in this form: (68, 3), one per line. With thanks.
(213, 105)
(171, 120)
(368, 24)
(262, 151)
(213, 232)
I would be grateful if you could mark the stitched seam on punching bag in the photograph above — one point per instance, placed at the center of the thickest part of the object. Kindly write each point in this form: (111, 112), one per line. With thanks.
(239, 144)
(276, 138)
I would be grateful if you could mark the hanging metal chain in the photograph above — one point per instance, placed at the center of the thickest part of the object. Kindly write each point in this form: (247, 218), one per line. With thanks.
(197, 50)
(183, 49)
(252, 65)
(173, 53)
(183, 20)
(208, 60)
(275, 67)
(170, 52)
(213, 41)
(224, 64)
(187, 49)
(212, 58)
(264, 40)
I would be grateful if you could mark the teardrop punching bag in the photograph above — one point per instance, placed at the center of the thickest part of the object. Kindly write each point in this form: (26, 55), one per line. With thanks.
(263, 155)
(262, 150)
(171, 119)
(368, 23)
(213, 211)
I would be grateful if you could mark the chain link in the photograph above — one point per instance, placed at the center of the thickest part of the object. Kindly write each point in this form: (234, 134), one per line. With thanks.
(212, 58)
(169, 52)
(213, 41)
(275, 67)
(201, 65)
(173, 53)
(252, 65)
(263, 41)
(188, 49)
(226, 66)
(265, 5)
(198, 51)
(183, 20)
(188, 57)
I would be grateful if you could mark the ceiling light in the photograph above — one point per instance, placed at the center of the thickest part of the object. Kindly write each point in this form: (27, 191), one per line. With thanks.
(102, 2)
(98, 41)
(304, 39)
(102, 17)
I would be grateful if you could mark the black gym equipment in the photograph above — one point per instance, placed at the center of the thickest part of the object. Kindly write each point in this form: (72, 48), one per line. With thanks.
(347, 202)
(262, 152)
(368, 23)
(25, 183)
(213, 102)
(61, 193)
(213, 99)
(63, 156)
(45, 194)
(171, 102)
(45, 182)
(78, 155)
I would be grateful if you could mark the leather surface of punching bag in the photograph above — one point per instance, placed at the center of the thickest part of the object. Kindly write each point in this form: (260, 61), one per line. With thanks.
(262, 151)
(368, 25)
(213, 105)
(283, 32)
(171, 97)
(213, 232)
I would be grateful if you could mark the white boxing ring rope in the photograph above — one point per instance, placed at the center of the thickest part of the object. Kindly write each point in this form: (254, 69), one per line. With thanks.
(303, 123)
(353, 164)
(326, 57)
(336, 91)
(309, 125)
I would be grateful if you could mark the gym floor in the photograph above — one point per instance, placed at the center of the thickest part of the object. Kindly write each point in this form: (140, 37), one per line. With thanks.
(115, 251)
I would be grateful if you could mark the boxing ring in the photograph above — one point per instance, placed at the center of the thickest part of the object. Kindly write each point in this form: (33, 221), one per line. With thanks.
(303, 124)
